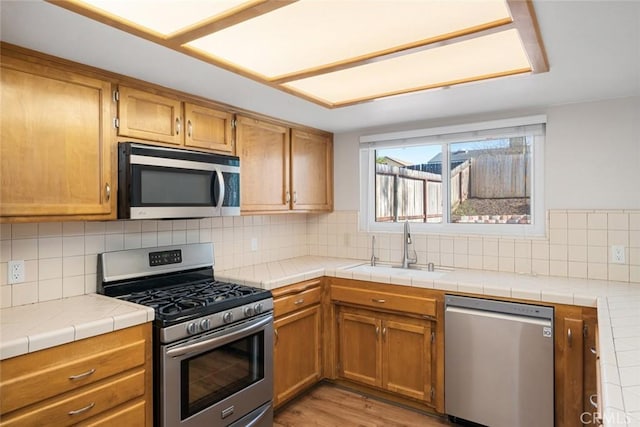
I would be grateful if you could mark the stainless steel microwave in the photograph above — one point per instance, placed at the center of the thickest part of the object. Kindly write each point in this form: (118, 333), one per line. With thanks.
(157, 182)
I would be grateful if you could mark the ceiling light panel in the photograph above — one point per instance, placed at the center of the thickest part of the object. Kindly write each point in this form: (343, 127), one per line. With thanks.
(165, 16)
(484, 57)
(311, 34)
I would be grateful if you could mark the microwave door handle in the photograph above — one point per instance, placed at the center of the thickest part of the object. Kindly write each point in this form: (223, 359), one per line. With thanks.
(221, 186)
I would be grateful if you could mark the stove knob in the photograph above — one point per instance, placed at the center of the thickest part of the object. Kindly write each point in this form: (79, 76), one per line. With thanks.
(192, 328)
(258, 308)
(205, 324)
(248, 311)
(227, 317)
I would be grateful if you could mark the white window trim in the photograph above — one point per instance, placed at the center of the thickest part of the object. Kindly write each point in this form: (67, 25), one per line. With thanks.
(369, 143)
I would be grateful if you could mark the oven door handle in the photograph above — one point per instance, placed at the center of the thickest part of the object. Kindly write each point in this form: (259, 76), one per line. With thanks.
(245, 330)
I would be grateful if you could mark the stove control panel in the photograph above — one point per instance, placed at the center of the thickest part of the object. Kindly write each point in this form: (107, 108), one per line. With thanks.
(165, 257)
(214, 321)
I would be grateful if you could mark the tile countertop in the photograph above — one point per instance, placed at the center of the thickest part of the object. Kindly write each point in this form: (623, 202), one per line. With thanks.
(618, 306)
(32, 327)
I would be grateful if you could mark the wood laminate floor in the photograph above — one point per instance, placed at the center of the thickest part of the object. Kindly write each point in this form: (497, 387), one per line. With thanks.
(327, 406)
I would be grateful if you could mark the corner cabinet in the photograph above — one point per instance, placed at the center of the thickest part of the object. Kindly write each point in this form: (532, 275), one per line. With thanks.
(155, 117)
(57, 152)
(575, 364)
(99, 381)
(283, 169)
(297, 340)
(388, 337)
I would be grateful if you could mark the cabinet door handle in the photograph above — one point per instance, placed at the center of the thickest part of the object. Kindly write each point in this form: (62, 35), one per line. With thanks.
(569, 337)
(82, 375)
(177, 125)
(295, 197)
(288, 197)
(377, 332)
(107, 191)
(275, 332)
(384, 333)
(593, 350)
(593, 400)
(300, 301)
(81, 410)
(380, 301)
(189, 128)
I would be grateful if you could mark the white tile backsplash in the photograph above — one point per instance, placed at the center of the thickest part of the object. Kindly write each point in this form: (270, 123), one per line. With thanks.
(62, 256)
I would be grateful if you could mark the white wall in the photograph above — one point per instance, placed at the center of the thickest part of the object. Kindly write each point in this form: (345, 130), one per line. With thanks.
(592, 156)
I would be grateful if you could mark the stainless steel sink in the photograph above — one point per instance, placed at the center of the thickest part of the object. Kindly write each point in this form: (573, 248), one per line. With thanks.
(388, 270)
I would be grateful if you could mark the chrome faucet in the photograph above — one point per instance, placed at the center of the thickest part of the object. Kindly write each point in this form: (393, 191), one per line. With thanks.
(406, 241)
(374, 258)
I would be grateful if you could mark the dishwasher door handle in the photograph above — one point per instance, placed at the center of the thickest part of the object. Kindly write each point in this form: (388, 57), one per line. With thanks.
(499, 316)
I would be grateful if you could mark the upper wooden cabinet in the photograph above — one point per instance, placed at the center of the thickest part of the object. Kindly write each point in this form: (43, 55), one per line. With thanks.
(264, 158)
(311, 171)
(208, 128)
(283, 169)
(57, 153)
(148, 116)
(154, 117)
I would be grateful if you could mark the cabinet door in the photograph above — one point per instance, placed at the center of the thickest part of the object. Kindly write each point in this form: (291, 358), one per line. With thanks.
(311, 171)
(407, 358)
(208, 128)
(264, 158)
(55, 146)
(149, 116)
(569, 369)
(360, 351)
(296, 353)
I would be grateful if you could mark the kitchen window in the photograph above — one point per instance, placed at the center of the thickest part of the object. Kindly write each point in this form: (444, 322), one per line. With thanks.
(481, 178)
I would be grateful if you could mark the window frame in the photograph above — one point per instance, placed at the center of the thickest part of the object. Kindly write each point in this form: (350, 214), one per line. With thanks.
(445, 136)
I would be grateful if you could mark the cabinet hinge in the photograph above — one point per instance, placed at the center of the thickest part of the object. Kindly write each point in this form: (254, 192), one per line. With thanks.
(116, 95)
(116, 122)
(433, 337)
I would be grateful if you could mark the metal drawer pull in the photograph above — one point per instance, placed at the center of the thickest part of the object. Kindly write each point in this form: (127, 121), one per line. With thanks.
(381, 301)
(298, 302)
(377, 332)
(592, 400)
(107, 191)
(384, 332)
(189, 128)
(593, 350)
(275, 332)
(178, 125)
(82, 375)
(569, 337)
(81, 410)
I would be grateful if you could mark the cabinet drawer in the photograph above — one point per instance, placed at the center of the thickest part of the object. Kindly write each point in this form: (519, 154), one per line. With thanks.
(385, 300)
(128, 415)
(29, 379)
(82, 404)
(287, 304)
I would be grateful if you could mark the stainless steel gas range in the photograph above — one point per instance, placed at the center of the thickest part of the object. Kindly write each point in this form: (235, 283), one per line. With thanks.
(213, 341)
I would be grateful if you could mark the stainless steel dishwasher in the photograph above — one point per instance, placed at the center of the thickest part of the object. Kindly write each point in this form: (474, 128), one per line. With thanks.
(498, 362)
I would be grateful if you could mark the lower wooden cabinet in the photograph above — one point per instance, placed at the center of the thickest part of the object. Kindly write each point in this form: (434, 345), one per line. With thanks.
(103, 380)
(297, 342)
(575, 364)
(387, 351)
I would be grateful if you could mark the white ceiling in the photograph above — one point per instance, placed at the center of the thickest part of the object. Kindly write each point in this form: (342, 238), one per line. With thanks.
(593, 49)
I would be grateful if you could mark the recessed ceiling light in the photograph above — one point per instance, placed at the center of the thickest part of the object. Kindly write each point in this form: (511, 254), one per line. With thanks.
(338, 53)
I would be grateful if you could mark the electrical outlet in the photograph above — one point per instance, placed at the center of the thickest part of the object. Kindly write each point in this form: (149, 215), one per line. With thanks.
(617, 254)
(254, 244)
(15, 271)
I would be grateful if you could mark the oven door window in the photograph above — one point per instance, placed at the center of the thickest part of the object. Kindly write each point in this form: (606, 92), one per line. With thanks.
(215, 375)
(160, 186)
